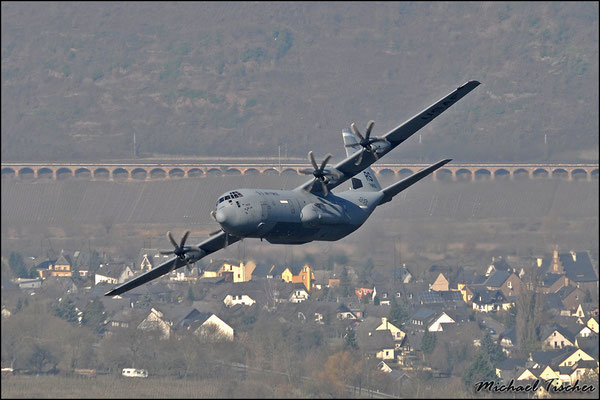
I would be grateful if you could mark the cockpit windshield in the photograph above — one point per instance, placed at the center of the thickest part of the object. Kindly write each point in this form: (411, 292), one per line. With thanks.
(230, 196)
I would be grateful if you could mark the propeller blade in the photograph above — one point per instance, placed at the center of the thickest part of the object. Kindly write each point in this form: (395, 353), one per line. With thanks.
(350, 145)
(226, 240)
(183, 239)
(359, 158)
(165, 252)
(355, 131)
(171, 239)
(369, 127)
(311, 157)
(324, 186)
(306, 171)
(214, 233)
(327, 157)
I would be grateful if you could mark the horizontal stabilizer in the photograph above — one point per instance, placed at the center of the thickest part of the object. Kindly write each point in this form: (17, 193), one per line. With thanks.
(390, 191)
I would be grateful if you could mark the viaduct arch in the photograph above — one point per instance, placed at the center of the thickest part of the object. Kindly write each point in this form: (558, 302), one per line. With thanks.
(159, 171)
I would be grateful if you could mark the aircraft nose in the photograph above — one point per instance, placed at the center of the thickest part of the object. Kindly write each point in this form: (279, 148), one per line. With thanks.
(225, 215)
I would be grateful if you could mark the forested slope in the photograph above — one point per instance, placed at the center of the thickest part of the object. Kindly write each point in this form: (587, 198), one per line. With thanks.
(240, 79)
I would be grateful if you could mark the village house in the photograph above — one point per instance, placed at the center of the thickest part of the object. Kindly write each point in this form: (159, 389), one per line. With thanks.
(62, 267)
(155, 321)
(299, 274)
(191, 274)
(490, 301)
(236, 299)
(439, 320)
(28, 283)
(592, 323)
(571, 297)
(237, 273)
(576, 266)
(508, 340)
(208, 324)
(508, 368)
(174, 318)
(558, 337)
(552, 283)
(123, 319)
(261, 271)
(397, 333)
(232, 272)
(498, 264)
(507, 282)
(149, 258)
(113, 274)
(247, 294)
(431, 297)
(403, 275)
(322, 279)
(363, 292)
(5, 312)
(441, 283)
(44, 268)
(373, 341)
(343, 312)
(299, 293)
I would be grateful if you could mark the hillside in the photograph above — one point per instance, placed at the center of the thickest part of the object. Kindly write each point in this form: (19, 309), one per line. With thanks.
(240, 79)
(431, 218)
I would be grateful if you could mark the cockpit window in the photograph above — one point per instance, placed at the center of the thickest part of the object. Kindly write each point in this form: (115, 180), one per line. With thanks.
(227, 197)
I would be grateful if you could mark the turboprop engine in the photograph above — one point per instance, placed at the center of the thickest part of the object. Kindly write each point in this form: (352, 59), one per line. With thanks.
(316, 214)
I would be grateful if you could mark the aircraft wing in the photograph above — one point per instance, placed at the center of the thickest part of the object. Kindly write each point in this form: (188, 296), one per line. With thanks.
(210, 245)
(347, 168)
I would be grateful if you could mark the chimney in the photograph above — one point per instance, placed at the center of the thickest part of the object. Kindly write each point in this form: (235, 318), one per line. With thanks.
(556, 267)
(539, 262)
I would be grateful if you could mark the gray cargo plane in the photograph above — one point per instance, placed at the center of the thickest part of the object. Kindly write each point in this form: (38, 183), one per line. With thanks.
(310, 211)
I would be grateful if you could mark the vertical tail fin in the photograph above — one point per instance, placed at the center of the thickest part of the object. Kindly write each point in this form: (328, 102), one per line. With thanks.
(366, 180)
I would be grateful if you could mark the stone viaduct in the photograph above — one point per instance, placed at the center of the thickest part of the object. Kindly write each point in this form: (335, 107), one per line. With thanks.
(173, 170)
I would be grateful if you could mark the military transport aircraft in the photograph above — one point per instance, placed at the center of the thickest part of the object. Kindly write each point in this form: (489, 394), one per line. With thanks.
(310, 211)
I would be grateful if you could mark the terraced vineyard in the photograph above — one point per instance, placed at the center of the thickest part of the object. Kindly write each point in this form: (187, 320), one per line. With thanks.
(189, 201)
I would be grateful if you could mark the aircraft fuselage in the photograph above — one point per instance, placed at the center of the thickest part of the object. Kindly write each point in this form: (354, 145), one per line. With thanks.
(293, 216)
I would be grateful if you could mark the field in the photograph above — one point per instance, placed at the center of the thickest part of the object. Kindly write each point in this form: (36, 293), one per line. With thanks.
(118, 387)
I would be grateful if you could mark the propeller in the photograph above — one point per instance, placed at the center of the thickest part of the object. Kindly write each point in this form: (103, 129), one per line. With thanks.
(181, 249)
(319, 172)
(366, 141)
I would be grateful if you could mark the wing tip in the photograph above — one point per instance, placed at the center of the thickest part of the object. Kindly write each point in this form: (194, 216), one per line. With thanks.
(473, 83)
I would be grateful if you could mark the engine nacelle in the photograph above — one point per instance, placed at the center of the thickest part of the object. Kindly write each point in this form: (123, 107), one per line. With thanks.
(316, 214)
(381, 147)
(195, 255)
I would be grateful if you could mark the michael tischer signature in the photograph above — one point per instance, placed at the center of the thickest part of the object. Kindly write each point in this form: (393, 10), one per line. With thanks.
(551, 386)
